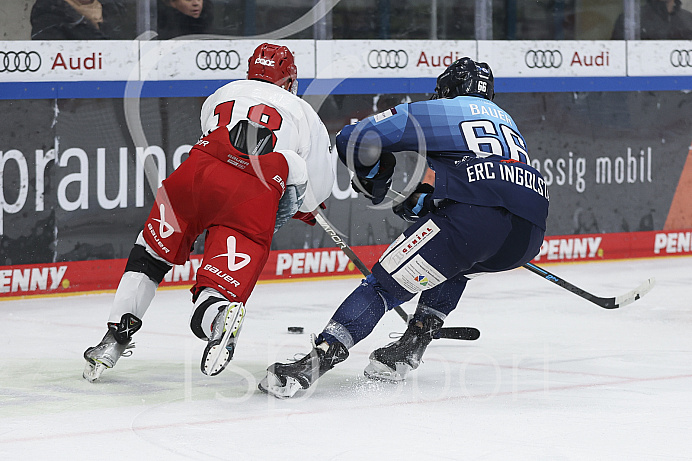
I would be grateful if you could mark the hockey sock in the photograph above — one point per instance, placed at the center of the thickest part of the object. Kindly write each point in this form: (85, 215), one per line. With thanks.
(359, 313)
(134, 295)
(442, 299)
(207, 305)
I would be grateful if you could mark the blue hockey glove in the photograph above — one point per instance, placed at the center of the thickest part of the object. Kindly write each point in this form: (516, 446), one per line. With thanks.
(376, 183)
(417, 204)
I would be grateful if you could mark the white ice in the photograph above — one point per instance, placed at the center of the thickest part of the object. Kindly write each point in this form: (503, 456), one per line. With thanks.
(553, 377)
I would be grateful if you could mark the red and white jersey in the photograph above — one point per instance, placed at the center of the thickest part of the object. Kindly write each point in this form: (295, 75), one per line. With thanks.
(287, 125)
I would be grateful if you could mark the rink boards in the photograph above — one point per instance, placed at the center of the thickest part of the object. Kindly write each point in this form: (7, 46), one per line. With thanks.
(284, 265)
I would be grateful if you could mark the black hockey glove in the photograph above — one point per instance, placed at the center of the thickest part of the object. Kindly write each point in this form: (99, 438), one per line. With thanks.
(375, 188)
(417, 204)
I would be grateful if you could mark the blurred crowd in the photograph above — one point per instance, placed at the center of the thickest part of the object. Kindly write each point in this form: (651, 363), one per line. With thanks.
(352, 19)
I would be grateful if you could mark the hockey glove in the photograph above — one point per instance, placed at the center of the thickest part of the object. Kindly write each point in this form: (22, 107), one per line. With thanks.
(417, 204)
(309, 218)
(289, 204)
(376, 183)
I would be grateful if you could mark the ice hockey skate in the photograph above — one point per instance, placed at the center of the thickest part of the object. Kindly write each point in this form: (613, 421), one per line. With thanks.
(394, 361)
(283, 380)
(115, 344)
(224, 336)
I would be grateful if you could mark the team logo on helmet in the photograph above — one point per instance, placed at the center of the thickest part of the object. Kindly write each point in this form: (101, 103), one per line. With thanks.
(265, 62)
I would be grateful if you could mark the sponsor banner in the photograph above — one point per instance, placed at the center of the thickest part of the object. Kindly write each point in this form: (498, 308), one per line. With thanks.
(554, 58)
(54, 61)
(84, 276)
(114, 60)
(67, 277)
(213, 59)
(623, 245)
(344, 59)
(99, 275)
(317, 262)
(670, 57)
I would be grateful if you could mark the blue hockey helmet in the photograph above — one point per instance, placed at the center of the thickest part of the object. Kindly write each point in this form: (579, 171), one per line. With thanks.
(465, 77)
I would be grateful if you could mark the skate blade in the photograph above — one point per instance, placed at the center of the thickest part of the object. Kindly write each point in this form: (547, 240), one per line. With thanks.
(215, 359)
(92, 371)
(271, 385)
(381, 372)
(217, 356)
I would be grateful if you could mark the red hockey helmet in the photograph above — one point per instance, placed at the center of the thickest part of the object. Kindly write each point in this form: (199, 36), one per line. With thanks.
(273, 64)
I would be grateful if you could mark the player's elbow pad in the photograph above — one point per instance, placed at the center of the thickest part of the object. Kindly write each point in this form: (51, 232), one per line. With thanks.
(359, 151)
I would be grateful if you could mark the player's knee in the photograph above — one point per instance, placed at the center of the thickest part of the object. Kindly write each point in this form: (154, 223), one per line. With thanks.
(141, 261)
(387, 288)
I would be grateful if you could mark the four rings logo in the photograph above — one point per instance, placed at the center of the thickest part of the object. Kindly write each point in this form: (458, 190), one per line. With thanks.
(681, 58)
(388, 59)
(543, 59)
(30, 61)
(19, 61)
(218, 60)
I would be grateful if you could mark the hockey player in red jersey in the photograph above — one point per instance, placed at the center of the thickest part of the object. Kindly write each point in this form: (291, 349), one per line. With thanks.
(263, 158)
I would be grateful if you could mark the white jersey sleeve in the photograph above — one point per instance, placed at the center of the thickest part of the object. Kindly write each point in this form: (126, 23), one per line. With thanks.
(296, 131)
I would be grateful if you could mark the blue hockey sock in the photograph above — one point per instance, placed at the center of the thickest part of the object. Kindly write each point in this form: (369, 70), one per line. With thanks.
(442, 299)
(359, 313)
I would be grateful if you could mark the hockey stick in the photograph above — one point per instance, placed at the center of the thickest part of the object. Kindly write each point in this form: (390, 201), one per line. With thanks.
(606, 303)
(464, 333)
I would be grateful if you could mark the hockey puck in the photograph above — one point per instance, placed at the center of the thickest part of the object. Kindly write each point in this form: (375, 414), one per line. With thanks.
(296, 330)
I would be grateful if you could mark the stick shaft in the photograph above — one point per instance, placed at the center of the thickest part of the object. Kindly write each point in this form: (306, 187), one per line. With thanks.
(322, 221)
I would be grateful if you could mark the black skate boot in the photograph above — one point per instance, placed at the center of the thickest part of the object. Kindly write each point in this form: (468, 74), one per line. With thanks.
(395, 360)
(283, 380)
(115, 344)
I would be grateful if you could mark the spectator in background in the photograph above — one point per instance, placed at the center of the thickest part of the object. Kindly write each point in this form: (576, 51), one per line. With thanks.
(76, 20)
(659, 20)
(184, 17)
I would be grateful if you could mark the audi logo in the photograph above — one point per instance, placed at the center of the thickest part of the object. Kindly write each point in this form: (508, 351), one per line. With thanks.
(19, 61)
(681, 58)
(543, 59)
(218, 60)
(388, 59)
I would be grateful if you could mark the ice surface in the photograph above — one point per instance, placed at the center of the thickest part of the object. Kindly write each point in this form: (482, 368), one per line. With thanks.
(553, 377)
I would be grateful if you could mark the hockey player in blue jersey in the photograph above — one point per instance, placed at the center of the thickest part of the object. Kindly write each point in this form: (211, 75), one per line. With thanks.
(485, 213)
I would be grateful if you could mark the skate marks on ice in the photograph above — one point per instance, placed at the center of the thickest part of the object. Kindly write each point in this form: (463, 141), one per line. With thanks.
(550, 378)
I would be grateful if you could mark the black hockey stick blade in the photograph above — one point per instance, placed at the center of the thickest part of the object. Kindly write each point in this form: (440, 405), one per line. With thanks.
(463, 333)
(606, 303)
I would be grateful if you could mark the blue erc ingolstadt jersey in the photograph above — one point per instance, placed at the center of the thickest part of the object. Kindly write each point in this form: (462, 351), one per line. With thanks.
(475, 148)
